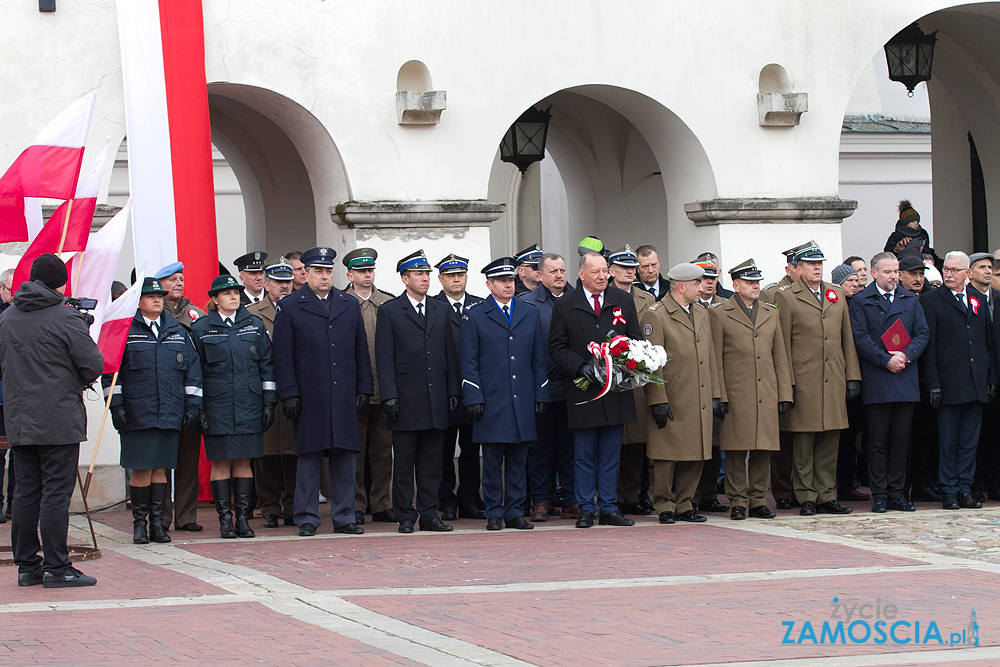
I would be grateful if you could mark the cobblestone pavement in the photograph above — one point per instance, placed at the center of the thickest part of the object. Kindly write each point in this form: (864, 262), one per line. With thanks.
(725, 592)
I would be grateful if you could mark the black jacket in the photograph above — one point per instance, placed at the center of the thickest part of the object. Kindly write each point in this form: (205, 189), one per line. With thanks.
(663, 287)
(459, 416)
(47, 358)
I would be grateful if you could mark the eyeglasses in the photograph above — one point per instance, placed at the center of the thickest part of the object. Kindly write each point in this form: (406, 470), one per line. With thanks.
(6, 287)
(950, 270)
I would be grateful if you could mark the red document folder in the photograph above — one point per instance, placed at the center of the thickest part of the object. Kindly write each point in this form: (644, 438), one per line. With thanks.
(896, 339)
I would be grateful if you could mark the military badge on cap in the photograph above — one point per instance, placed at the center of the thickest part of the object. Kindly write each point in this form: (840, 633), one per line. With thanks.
(152, 286)
(252, 261)
(746, 271)
(808, 252)
(280, 270)
(360, 258)
(501, 267)
(452, 264)
(222, 283)
(624, 257)
(416, 261)
(529, 255)
(709, 262)
(320, 256)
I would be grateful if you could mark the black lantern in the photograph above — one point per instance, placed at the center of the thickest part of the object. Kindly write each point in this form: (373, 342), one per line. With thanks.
(909, 55)
(524, 143)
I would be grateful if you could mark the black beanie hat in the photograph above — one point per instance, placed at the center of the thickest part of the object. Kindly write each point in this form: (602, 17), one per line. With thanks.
(50, 270)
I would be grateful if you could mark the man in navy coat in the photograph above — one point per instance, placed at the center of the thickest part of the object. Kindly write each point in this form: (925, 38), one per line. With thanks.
(418, 379)
(504, 381)
(960, 373)
(890, 385)
(324, 376)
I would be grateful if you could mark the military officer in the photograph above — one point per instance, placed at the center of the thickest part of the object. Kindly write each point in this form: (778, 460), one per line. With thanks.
(622, 265)
(825, 374)
(689, 396)
(186, 483)
(376, 445)
(453, 274)
(251, 267)
(418, 379)
(294, 257)
(274, 473)
(504, 381)
(527, 269)
(756, 387)
(713, 287)
(324, 376)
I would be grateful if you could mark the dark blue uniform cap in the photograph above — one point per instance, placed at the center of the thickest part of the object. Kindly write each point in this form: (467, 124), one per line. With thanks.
(320, 256)
(501, 267)
(529, 255)
(281, 270)
(452, 264)
(413, 262)
(252, 261)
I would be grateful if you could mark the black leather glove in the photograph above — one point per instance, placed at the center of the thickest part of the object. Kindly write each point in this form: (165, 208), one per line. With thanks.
(267, 417)
(936, 397)
(292, 407)
(475, 411)
(391, 407)
(203, 423)
(541, 407)
(189, 422)
(991, 393)
(362, 401)
(453, 402)
(661, 413)
(719, 409)
(784, 407)
(853, 389)
(118, 419)
(588, 371)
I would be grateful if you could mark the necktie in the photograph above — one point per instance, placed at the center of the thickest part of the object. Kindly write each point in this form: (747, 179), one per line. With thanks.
(420, 309)
(458, 308)
(156, 329)
(887, 297)
(506, 312)
(960, 296)
(229, 322)
(818, 298)
(597, 305)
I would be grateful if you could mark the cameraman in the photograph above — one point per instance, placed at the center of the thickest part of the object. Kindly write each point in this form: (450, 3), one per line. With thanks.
(47, 358)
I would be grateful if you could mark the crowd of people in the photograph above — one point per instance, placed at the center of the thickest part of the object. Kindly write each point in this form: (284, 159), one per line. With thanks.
(301, 390)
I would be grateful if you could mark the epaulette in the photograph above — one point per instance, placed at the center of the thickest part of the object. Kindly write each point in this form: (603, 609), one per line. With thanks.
(472, 305)
(765, 304)
(388, 294)
(768, 286)
(783, 288)
(655, 305)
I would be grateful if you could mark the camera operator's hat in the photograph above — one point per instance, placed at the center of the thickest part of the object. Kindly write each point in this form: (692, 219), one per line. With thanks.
(529, 255)
(252, 261)
(153, 286)
(50, 270)
(221, 284)
(809, 252)
(624, 257)
(360, 258)
(746, 271)
(169, 270)
(685, 271)
(452, 264)
(501, 267)
(280, 270)
(416, 261)
(321, 257)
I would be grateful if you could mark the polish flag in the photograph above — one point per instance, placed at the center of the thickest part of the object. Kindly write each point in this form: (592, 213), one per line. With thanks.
(169, 136)
(62, 233)
(48, 168)
(117, 320)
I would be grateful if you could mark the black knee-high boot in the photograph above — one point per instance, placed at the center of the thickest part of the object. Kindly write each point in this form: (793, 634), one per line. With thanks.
(157, 501)
(242, 488)
(140, 509)
(222, 490)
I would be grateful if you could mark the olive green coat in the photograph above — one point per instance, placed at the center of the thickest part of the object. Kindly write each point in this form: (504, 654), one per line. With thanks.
(755, 374)
(820, 345)
(690, 382)
(636, 431)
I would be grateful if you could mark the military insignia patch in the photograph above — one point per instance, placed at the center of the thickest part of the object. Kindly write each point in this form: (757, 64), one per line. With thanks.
(647, 329)
(180, 358)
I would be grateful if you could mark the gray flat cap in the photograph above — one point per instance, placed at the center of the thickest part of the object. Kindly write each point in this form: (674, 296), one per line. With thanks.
(685, 271)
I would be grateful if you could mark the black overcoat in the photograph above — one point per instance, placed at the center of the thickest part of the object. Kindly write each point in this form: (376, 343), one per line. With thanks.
(458, 417)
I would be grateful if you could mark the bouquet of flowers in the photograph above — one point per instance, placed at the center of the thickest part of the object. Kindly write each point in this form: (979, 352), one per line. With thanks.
(624, 364)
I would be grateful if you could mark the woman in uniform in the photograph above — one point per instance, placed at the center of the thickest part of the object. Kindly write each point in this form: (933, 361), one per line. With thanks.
(240, 396)
(157, 395)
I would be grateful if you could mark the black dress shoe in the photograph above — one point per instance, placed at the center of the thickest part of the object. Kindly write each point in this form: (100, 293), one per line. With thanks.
(29, 578)
(307, 530)
(449, 513)
(270, 521)
(359, 517)
(647, 503)
(71, 578)
(783, 503)
(405, 526)
(762, 512)
(900, 504)
(387, 516)
(636, 509)
(520, 523)
(350, 529)
(977, 493)
(289, 521)
(738, 513)
(667, 518)
(968, 501)
(690, 516)
(470, 512)
(949, 501)
(191, 527)
(586, 519)
(435, 525)
(879, 505)
(713, 505)
(615, 519)
(495, 523)
(808, 508)
(927, 495)
(832, 507)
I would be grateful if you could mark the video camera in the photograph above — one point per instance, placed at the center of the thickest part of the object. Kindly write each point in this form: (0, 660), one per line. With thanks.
(82, 304)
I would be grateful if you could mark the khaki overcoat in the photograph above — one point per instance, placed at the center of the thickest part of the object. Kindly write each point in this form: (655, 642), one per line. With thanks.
(636, 431)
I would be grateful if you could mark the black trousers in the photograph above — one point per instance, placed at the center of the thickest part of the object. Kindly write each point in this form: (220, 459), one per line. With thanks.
(888, 447)
(46, 475)
(468, 469)
(416, 453)
(924, 449)
(988, 452)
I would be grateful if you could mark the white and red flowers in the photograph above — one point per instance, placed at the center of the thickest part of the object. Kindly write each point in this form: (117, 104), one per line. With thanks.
(831, 296)
(975, 305)
(624, 364)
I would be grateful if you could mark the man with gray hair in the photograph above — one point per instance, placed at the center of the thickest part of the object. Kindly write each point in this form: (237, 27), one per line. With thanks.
(960, 373)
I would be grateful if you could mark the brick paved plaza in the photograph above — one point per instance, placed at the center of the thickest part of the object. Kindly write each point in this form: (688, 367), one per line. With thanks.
(751, 593)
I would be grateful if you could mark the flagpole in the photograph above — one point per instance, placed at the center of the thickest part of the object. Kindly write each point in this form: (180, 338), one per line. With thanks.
(104, 418)
(62, 240)
(76, 274)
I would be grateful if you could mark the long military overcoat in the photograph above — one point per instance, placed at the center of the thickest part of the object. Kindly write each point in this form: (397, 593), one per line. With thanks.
(636, 431)
(280, 438)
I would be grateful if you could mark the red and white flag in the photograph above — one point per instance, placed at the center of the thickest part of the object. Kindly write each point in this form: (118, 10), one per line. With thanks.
(169, 136)
(116, 317)
(49, 168)
(70, 233)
